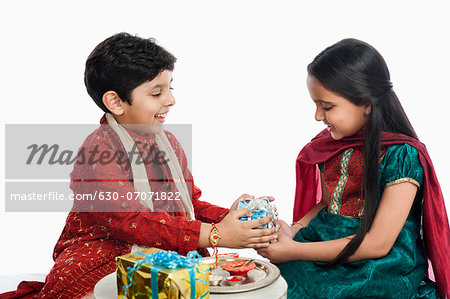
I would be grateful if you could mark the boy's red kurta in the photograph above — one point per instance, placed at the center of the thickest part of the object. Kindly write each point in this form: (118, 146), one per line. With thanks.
(90, 241)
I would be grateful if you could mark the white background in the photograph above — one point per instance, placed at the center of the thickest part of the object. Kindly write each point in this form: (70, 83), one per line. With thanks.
(239, 80)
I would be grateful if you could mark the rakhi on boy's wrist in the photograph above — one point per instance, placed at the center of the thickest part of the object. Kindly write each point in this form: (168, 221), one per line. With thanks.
(214, 238)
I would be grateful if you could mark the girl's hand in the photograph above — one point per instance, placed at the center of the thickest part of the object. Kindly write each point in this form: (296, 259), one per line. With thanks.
(242, 234)
(286, 229)
(278, 252)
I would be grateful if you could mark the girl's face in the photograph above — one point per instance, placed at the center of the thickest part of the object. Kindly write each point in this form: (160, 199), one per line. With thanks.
(342, 117)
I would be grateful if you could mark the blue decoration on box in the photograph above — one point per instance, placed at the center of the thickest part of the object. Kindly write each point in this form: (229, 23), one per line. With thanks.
(168, 259)
(260, 208)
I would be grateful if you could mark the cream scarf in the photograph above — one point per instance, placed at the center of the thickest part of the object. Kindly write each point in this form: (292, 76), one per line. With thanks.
(140, 178)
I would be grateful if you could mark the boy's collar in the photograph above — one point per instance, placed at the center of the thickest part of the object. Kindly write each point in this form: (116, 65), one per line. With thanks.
(137, 137)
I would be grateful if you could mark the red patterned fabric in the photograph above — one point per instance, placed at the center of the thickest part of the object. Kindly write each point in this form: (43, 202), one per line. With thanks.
(437, 233)
(90, 241)
(26, 289)
(351, 202)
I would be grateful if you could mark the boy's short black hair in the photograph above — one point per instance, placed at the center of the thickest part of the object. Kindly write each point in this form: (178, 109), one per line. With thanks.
(121, 63)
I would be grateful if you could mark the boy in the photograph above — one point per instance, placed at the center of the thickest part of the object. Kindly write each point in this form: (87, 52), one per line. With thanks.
(129, 78)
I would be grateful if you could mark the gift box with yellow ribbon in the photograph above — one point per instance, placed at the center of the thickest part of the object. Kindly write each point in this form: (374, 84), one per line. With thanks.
(155, 273)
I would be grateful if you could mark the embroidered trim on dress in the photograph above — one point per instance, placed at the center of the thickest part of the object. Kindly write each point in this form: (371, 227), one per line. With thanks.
(336, 197)
(383, 154)
(402, 180)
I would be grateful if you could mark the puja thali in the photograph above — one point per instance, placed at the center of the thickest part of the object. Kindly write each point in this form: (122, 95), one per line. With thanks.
(262, 275)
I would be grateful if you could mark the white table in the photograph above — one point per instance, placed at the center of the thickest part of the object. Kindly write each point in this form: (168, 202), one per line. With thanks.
(106, 288)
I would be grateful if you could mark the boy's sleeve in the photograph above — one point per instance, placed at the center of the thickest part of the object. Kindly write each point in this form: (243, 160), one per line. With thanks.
(205, 211)
(123, 219)
(152, 229)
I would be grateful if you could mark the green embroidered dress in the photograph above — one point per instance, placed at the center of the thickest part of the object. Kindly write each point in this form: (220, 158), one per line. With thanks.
(401, 273)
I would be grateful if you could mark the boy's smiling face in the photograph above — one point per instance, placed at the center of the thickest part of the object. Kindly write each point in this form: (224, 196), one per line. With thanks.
(150, 103)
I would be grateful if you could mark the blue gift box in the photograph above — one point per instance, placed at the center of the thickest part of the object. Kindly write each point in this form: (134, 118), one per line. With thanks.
(256, 214)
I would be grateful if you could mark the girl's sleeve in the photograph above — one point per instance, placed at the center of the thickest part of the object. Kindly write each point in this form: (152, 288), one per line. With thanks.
(401, 164)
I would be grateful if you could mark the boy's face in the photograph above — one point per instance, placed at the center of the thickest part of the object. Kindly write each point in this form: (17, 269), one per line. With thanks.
(150, 103)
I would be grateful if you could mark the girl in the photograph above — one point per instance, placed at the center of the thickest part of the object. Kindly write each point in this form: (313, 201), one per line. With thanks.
(363, 238)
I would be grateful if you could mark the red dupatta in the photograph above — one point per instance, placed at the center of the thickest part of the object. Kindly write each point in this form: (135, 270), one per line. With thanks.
(436, 226)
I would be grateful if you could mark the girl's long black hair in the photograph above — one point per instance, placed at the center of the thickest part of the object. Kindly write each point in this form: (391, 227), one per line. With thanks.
(357, 71)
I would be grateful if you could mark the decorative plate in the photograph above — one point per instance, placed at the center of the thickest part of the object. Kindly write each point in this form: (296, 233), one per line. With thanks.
(262, 275)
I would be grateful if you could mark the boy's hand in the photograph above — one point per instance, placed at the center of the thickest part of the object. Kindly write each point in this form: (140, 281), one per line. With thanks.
(242, 197)
(246, 196)
(242, 234)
